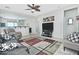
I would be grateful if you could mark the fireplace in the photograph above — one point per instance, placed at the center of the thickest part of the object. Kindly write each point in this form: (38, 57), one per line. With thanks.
(47, 29)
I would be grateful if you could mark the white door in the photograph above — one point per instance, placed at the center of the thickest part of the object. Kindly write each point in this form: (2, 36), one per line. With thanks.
(69, 28)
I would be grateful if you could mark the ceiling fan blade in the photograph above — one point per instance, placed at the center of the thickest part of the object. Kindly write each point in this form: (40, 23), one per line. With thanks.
(37, 6)
(27, 9)
(29, 5)
(37, 9)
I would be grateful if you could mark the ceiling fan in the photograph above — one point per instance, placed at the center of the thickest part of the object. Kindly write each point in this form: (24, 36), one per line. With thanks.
(33, 8)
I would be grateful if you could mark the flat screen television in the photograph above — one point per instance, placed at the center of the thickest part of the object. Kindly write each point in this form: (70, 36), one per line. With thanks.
(47, 26)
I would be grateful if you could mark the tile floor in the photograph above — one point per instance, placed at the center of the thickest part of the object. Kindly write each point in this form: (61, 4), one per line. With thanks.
(60, 51)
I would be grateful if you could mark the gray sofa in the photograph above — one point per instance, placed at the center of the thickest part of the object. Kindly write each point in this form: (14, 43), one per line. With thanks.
(21, 50)
(12, 32)
(9, 33)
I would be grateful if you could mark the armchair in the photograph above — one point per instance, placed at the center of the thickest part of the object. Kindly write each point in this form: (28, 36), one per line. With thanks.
(72, 42)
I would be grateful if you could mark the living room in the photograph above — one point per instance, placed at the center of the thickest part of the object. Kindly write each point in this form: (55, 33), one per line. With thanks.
(39, 28)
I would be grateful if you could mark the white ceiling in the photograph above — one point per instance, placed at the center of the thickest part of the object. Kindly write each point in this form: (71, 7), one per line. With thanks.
(20, 8)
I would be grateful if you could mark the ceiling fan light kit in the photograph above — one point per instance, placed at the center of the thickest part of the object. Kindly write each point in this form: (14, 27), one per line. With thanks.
(32, 10)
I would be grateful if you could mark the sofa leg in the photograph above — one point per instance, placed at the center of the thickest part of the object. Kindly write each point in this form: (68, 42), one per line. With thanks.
(77, 52)
(64, 48)
(27, 51)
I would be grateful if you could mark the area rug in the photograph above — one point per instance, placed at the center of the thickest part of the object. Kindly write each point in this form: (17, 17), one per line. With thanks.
(42, 47)
(42, 44)
(41, 53)
(49, 40)
(53, 47)
(33, 41)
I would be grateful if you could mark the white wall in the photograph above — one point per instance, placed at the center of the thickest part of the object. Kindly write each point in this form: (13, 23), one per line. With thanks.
(58, 23)
(32, 23)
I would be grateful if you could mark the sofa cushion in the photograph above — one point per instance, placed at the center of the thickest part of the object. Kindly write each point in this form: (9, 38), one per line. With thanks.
(73, 37)
(71, 45)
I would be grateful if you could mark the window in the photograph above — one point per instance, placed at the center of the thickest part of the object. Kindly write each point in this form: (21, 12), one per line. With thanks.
(70, 21)
(15, 24)
(11, 24)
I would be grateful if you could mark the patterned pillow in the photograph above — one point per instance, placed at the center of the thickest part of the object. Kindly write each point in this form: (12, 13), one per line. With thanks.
(73, 37)
(6, 37)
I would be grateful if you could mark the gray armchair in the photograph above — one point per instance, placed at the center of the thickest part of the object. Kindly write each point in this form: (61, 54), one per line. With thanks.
(72, 42)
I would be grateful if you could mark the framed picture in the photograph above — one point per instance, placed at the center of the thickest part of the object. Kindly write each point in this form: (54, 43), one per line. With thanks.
(44, 19)
(51, 18)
